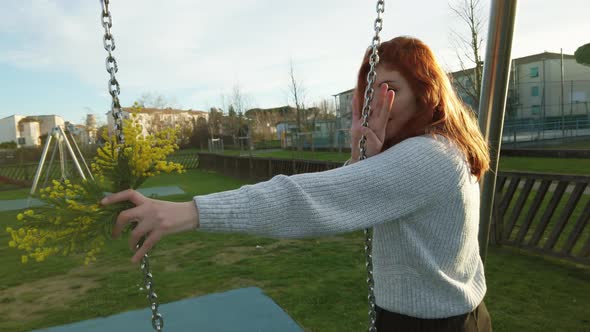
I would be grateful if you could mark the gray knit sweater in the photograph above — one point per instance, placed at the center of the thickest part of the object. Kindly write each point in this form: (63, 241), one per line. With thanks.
(418, 196)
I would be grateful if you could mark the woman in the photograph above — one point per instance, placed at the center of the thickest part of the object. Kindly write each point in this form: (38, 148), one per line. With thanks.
(419, 192)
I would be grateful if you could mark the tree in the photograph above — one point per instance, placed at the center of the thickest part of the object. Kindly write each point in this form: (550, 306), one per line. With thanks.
(155, 100)
(297, 96)
(235, 121)
(230, 123)
(215, 122)
(582, 55)
(261, 121)
(200, 135)
(470, 13)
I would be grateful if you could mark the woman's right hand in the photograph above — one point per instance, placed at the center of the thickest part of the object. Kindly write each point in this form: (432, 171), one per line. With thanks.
(375, 132)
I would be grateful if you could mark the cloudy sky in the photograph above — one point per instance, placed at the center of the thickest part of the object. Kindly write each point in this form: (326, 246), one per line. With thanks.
(194, 51)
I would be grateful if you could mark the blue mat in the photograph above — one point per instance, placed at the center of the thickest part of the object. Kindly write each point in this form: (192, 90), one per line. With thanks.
(19, 204)
(240, 310)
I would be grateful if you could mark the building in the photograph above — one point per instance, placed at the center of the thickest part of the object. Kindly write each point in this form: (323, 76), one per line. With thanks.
(537, 93)
(26, 131)
(548, 97)
(322, 136)
(343, 102)
(85, 135)
(154, 119)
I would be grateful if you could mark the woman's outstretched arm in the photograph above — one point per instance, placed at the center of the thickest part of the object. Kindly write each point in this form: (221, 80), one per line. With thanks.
(406, 178)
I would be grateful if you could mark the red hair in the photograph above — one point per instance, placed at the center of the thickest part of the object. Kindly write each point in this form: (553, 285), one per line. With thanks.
(439, 110)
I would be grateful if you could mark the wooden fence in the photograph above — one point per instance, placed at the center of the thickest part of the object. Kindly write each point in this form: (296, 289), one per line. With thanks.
(544, 213)
(24, 173)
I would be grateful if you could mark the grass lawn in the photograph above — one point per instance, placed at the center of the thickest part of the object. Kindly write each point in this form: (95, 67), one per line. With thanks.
(578, 144)
(14, 194)
(319, 282)
(546, 165)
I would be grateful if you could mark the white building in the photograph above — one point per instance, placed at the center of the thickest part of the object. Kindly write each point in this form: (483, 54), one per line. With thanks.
(26, 131)
(153, 119)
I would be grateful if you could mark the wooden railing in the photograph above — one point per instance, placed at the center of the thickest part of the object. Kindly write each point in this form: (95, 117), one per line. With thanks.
(257, 169)
(545, 213)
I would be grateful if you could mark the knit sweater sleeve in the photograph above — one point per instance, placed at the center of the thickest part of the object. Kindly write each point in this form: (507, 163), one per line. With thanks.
(400, 181)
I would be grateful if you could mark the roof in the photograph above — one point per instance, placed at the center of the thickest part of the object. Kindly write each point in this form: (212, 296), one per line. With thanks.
(150, 110)
(522, 61)
(541, 56)
(280, 109)
(344, 92)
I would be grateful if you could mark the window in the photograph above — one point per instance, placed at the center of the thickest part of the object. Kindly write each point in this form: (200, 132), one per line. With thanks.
(535, 91)
(534, 71)
(535, 110)
(21, 141)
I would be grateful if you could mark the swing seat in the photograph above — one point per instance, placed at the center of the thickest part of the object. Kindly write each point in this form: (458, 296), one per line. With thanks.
(239, 310)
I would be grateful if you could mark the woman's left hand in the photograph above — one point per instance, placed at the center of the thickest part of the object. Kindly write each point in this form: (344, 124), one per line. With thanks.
(375, 132)
(154, 218)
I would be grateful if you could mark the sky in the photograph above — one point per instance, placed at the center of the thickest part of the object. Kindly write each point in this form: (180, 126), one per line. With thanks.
(194, 52)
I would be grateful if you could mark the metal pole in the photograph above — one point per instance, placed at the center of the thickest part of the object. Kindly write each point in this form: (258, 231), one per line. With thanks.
(543, 103)
(81, 156)
(40, 166)
(572, 106)
(493, 103)
(62, 156)
(49, 167)
(562, 106)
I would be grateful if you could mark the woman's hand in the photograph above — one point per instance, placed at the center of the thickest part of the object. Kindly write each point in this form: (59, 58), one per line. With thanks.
(375, 132)
(154, 218)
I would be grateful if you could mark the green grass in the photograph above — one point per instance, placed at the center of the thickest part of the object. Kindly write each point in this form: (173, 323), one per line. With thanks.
(576, 143)
(584, 145)
(319, 282)
(14, 194)
(545, 165)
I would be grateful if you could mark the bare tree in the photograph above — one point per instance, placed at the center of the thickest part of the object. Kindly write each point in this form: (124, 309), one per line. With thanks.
(155, 100)
(239, 104)
(297, 96)
(469, 48)
(239, 100)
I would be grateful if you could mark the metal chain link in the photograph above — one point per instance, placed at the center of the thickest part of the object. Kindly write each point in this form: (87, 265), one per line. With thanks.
(117, 113)
(371, 77)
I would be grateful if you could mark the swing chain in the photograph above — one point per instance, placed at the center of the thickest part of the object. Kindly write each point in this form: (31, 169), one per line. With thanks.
(371, 76)
(117, 113)
(112, 68)
(148, 281)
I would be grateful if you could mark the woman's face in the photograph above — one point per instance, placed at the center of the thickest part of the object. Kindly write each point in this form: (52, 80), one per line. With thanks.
(404, 104)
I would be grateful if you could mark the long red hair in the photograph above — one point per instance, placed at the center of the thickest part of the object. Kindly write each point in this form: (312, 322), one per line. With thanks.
(440, 111)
